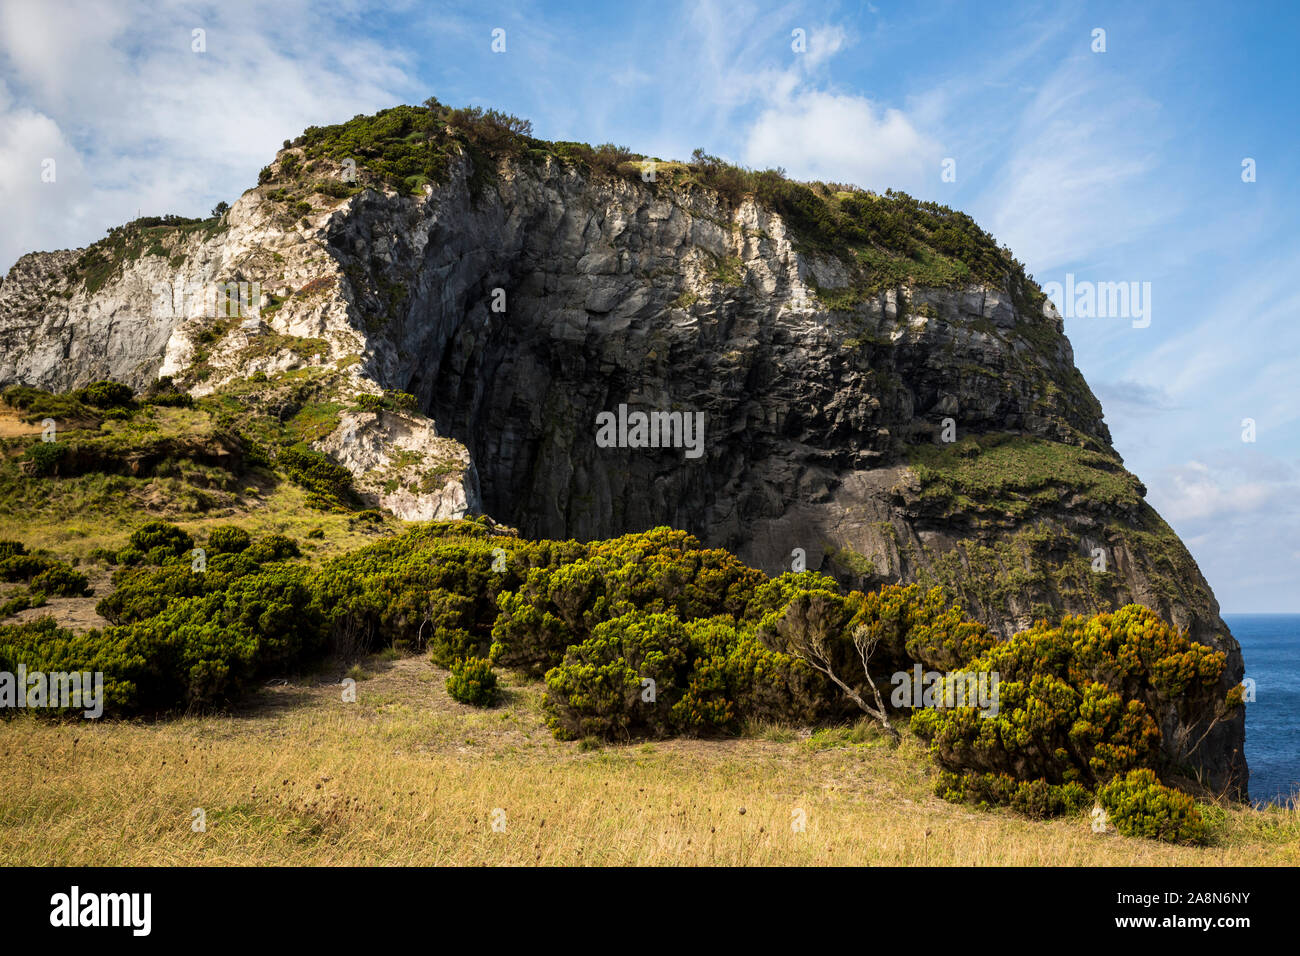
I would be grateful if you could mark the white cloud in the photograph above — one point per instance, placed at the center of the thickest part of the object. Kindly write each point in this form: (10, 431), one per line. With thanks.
(823, 44)
(800, 124)
(1195, 492)
(29, 142)
(139, 123)
(820, 135)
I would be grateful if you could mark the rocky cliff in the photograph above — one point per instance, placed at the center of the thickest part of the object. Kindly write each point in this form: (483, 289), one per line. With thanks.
(876, 408)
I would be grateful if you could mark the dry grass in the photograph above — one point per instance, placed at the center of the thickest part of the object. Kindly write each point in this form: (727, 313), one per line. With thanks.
(407, 776)
(12, 426)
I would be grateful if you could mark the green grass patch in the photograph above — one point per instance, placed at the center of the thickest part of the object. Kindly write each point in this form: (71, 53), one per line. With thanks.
(1015, 473)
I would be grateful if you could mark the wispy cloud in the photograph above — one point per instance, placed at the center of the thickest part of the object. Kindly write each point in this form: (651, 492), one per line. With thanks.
(1080, 170)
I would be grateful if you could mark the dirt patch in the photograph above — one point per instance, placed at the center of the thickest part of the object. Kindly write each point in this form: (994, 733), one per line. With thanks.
(13, 427)
(75, 613)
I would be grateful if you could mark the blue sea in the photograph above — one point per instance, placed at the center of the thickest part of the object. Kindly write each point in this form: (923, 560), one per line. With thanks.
(1271, 645)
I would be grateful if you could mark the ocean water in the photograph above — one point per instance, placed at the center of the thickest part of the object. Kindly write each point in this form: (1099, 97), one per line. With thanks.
(1271, 645)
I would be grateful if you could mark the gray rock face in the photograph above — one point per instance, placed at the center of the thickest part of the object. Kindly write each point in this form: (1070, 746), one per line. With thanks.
(519, 316)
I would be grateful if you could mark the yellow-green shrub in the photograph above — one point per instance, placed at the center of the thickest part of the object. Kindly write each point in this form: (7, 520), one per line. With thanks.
(473, 682)
(1138, 804)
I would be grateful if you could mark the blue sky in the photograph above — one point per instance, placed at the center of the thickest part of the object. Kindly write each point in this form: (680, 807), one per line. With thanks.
(1122, 166)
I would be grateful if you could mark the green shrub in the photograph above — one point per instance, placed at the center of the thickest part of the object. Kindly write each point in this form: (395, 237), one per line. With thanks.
(61, 580)
(228, 539)
(1081, 701)
(164, 392)
(10, 548)
(43, 645)
(1033, 798)
(329, 485)
(105, 394)
(554, 609)
(602, 688)
(656, 571)
(36, 404)
(144, 592)
(1138, 804)
(204, 648)
(1081, 705)
(159, 555)
(735, 679)
(24, 567)
(420, 589)
(178, 638)
(21, 600)
(473, 682)
(159, 540)
(45, 457)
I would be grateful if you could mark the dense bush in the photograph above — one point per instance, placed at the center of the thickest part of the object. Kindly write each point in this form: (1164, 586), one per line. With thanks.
(182, 638)
(906, 625)
(36, 403)
(328, 485)
(141, 593)
(1139, 805)
(24, 566)
(46, 576)
(62, 581)
(621, 682)
(1033, 798)
(433, 587)
(553, 609)
(409, 146)
(20, 600)
(273, 547)
(41, 645)
(228, 539)
(661, 570)
(161, 539)
(45, 457)
(473, 682)
(164, 392)
(390, 400)
(197, 651)
(105, 394)
(1080, 702)
(735, 678)
(710, 676)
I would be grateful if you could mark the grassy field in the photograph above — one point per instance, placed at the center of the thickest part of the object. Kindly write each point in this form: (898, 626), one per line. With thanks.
(407, 776)
(404, 775)
(73, 516)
